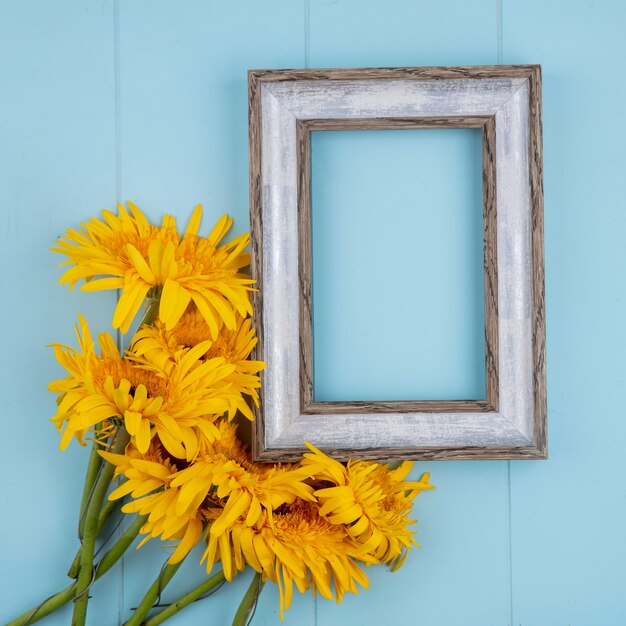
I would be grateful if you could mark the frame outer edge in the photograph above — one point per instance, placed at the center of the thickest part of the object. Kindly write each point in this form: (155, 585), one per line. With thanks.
(396, 73)
(533, 74)
(538, 268)
(386, 455)
(256, 248)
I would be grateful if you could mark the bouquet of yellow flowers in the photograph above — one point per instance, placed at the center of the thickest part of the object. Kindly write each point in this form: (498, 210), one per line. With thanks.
(167, 419)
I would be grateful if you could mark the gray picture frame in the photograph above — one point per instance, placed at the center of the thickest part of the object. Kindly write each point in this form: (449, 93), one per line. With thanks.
(285, 106)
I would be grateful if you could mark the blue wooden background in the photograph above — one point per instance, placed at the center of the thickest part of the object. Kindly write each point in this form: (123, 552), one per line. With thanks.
(146, 100)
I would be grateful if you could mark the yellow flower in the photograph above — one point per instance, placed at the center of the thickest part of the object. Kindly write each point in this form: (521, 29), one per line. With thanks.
(235, 346)
(295, 545)
(186, 529)
(371, 500)
(149, 476)
(144, 472)
(219, 486)
(245, 489)
(175, 401)
(129, 253)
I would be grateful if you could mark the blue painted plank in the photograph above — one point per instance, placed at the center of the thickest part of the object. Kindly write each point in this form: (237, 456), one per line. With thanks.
(57, 167)
(373, 33)
(397, 233)
(184, 98)
(569, 561)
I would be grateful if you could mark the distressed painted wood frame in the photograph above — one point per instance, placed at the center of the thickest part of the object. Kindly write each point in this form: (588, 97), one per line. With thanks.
(285, 106)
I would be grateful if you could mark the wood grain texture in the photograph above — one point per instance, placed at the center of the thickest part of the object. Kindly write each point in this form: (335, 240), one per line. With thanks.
(363, 407)
(465, 453)
(305, 262)
(256, 249)
(535, 156)
(510, 422)
(396, 123)
(397, 73)
(490, 259)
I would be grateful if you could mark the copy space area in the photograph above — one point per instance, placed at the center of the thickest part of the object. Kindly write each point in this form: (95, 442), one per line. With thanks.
(398, 310)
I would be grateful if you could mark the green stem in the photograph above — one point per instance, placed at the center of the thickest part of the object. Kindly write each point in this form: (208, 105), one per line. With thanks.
(109, 507)
(152, 309)
(107, 510)
(185, 600)
(148, 601)
(56, 601)
(95, 461)
(48, 606)
(86, 573)
(120, 546)
(249, 601)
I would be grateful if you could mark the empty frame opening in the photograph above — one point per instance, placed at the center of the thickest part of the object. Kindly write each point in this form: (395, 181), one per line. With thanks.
(397, 267)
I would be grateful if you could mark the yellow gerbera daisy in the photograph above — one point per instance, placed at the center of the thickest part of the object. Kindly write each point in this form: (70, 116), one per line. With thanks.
(174, 402)
(144, 473)
(371, 500)
(235, 346)
(149, 476)
(245, 489)
(185, 529)
(129, 253)
(218, 487)
(295, 545)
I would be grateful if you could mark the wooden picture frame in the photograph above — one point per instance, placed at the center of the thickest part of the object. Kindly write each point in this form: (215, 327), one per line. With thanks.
(285, 106)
